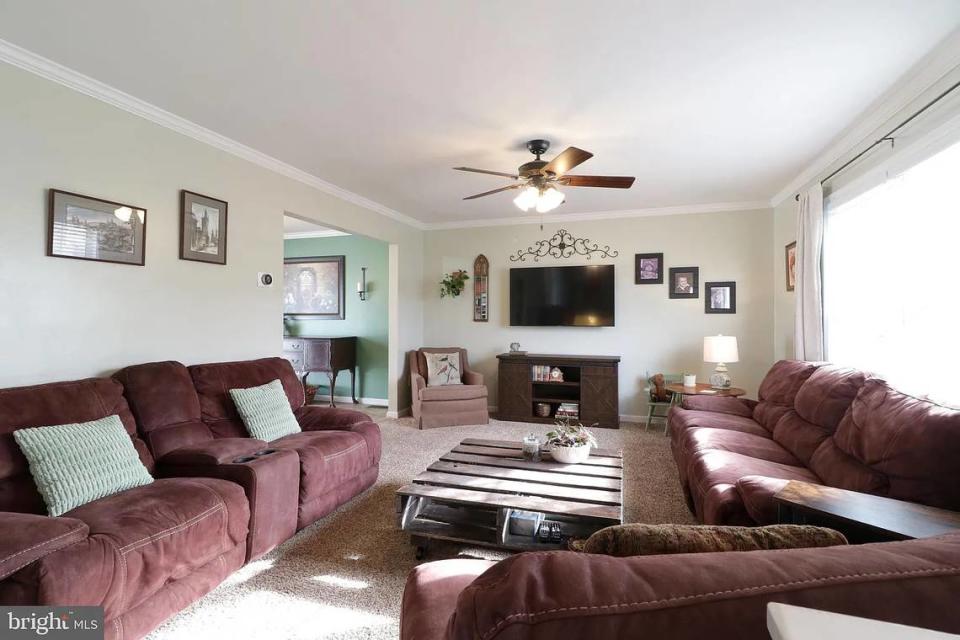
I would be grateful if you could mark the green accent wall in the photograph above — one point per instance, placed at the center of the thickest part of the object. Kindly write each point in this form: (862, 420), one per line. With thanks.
(367, 320)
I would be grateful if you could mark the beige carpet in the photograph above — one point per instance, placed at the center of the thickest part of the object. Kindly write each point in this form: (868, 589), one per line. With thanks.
(343, 576)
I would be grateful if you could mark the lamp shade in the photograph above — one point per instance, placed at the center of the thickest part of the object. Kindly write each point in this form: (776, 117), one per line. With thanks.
(720, 349)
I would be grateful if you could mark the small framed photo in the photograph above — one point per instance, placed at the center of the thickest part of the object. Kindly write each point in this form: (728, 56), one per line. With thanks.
(684, 282)
(720, 297)
(790, 256)
(87, 228)
(203, 228)
(648, 268)
(314, 287)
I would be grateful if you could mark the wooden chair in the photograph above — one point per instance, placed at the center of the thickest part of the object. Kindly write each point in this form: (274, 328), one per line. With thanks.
(668, 378)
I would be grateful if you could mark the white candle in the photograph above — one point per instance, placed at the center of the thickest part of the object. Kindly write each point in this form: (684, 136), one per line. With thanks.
(360, 287)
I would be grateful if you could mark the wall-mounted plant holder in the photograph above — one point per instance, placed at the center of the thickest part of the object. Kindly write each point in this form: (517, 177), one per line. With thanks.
(453, 283)
(481, 289)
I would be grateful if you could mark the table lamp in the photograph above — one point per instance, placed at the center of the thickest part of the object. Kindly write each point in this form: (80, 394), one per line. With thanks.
(720, 349)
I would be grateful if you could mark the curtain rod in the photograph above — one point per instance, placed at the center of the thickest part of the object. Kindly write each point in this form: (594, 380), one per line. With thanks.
(888, 137)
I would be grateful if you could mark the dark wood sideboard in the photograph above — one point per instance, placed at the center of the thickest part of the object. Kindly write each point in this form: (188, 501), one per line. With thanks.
(324, 355)
(588, 381)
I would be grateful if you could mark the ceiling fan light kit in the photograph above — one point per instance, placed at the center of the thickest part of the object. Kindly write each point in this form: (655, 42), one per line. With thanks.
(538, 179)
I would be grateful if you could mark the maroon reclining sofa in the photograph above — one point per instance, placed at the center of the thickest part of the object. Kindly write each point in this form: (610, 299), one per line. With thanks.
(220, 497)
(189, 423)
(819, 423)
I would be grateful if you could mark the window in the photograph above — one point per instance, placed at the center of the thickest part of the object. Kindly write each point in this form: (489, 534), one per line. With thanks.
(891, 279)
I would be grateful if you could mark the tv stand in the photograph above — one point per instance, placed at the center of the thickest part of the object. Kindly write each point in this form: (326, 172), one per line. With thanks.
(589, 382)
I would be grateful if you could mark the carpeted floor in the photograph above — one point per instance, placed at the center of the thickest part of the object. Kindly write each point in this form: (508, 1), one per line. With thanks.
(343, 576)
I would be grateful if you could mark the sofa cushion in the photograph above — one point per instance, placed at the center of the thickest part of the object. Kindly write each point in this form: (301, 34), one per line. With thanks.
(639, 539)
(73, 464)
(165, 404)
(779, 389)
(681, 419)
(713, 476)
(265, 411)
(52, 404)
(749, 444)
(213, 383)
(914, 444)
(163, 531)
(756, 493)
(454, 392)
(327, 459)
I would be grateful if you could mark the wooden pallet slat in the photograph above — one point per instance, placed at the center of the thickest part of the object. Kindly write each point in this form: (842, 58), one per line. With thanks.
(507, 444)
(545, 477)
(573, 494)
(548, 467)
(500, 452)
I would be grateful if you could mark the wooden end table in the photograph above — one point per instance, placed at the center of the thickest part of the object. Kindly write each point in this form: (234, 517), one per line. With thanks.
(470, 493)
(860, 516)
(703, 389)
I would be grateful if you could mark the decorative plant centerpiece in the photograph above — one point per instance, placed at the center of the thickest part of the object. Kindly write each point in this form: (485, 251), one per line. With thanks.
(570, 442)
(452, 283)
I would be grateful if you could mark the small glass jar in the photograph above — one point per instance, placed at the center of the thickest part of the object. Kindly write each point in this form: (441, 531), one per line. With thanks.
(531, 448)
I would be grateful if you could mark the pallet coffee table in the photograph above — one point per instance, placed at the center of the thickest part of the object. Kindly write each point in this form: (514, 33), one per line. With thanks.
(472, 494)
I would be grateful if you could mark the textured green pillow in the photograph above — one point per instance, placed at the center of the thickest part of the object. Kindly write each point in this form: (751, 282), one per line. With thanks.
(265, 411)
(73, 464)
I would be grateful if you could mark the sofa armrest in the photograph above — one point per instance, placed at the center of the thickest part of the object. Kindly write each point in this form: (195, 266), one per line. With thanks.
(705, 595)
(27, 537)
(472, 377)
(720, 404)
(317, 418)
(430, 596)
(213, 452)
(418, 385)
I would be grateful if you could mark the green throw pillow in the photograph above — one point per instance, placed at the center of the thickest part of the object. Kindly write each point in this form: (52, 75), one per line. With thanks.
(265, 411)
(73, 464)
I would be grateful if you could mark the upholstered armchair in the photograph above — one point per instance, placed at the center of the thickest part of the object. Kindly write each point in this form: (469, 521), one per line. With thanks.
(446, 405)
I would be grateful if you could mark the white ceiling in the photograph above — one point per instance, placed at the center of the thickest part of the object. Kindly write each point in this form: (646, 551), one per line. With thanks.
(705, 102)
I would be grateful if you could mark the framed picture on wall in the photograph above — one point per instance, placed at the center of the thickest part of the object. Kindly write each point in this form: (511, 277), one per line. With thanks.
(648, 268)
(314, 287)
(87, 228)
(720, 297)
(203, 228)
(790, 257)
(685, 282)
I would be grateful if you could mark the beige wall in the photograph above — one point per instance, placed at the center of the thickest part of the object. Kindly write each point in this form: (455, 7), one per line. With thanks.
(63, 319)
(784, 302)
(652, 333)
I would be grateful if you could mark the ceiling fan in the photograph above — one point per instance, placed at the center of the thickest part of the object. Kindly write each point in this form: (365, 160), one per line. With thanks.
(539, 179)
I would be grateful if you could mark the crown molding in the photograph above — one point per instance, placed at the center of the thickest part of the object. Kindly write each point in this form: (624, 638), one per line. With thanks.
(329, 233)
(56, 72)
(715, 207)
(919, 79)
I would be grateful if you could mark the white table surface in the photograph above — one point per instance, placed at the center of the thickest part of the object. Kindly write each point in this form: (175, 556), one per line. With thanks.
(787, 622)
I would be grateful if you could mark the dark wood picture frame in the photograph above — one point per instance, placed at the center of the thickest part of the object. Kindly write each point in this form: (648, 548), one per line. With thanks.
(54, 197)
(341, 312)
(708, 297)
(695, 286)
(790, 249)
(186, 252)
(637, 258)
(481, 289)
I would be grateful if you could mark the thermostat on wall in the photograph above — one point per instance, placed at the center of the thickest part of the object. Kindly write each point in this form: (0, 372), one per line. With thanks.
(264, 279)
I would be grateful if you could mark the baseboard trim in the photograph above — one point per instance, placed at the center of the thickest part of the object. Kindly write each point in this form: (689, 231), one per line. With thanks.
(322, 398)
(395, 415)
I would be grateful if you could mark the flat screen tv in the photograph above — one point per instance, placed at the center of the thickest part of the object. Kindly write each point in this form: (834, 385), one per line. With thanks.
(562, 296)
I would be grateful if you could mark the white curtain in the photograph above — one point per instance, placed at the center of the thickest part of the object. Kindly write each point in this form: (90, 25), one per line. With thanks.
(808, 335)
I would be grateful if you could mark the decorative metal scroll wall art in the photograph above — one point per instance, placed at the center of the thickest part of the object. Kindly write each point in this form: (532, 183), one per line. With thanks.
(562, 244)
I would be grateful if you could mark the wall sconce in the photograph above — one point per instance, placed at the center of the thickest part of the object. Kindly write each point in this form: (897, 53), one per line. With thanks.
(362, 286)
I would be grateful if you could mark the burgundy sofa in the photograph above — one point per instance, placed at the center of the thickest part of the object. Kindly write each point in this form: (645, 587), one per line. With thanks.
(189, 423)
(563, 594)
(142, 554)
(817, 423)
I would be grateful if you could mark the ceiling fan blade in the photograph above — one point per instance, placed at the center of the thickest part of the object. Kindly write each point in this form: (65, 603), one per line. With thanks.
(610, 182)
(492, 173)
(487, 193)
(568, 159)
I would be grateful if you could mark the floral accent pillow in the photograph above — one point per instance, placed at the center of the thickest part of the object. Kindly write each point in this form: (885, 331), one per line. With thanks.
(443, 369)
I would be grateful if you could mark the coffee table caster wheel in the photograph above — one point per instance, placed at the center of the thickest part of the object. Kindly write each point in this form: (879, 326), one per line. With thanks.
(421, 552)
